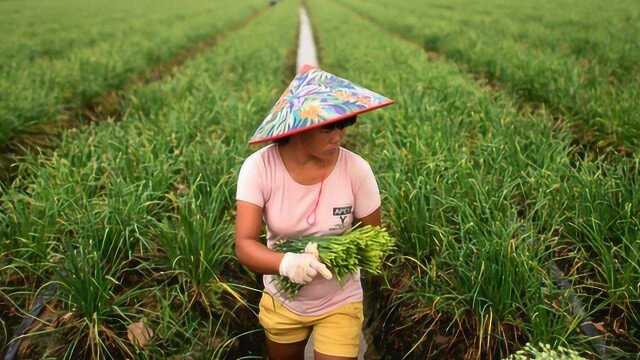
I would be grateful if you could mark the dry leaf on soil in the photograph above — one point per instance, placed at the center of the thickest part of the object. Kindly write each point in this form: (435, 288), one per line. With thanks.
(139, 334)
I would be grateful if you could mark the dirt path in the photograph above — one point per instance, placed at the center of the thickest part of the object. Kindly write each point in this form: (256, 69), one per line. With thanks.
(307, 56)
(306, 46)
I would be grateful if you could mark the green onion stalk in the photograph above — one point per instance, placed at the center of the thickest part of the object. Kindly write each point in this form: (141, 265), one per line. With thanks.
(362, 248)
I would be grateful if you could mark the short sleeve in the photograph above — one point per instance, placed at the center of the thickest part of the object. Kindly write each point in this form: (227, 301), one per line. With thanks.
(366, 193)
(250, 184)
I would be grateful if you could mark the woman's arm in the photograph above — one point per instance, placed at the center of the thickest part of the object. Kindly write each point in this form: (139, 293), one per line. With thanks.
(299, 268)
(249, 250)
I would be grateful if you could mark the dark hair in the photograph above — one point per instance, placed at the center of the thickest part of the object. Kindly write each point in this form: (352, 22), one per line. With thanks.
(282, 141)
(341, 124)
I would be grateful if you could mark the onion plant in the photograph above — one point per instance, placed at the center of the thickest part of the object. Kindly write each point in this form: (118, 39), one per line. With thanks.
(131, 218)
(40, 90)
(364, 247)
(198, 242)
(474, 210)
(603, 112)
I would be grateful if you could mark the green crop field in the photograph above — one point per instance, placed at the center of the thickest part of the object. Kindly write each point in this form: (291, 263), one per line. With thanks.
(509, 170)
(590, 83)
(60, 55)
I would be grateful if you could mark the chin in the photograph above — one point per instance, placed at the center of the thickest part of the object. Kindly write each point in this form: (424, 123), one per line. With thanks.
(332, 149)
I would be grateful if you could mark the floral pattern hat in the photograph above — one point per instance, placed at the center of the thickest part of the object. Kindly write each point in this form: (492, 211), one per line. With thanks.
(313, 99)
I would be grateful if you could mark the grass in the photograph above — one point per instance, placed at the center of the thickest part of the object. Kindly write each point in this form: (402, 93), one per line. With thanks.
(37, 93)
(132, 220)
(474, 193)
(603, 113)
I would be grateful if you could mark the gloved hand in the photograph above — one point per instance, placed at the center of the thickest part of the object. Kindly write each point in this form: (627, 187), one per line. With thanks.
(302, 268)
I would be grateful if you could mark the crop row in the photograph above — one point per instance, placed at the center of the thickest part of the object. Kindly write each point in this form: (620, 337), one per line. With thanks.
(131, 221)
(47, 30)
(590, 30)
(36, 92)
(605, 114)
(485, 201)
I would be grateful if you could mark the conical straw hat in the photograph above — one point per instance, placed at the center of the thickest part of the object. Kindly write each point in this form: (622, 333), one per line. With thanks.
(313, 99)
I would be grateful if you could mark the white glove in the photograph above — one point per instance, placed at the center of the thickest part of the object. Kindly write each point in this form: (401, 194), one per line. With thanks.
(302, 268)
(312, 248)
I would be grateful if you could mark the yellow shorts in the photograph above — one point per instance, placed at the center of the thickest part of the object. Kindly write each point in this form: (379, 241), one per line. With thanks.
(336, 333)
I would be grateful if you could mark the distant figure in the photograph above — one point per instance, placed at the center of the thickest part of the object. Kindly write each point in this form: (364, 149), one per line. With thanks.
(273, 2)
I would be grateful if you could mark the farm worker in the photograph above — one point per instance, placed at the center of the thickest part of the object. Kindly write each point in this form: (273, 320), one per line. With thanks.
(305, 183)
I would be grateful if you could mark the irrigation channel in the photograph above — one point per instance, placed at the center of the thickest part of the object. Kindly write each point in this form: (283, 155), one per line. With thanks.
(307, 56)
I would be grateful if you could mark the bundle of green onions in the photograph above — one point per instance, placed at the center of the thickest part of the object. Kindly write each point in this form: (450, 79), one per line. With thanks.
(360, 248)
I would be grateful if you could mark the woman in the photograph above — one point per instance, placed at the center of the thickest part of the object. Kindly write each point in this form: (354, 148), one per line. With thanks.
(307, 184)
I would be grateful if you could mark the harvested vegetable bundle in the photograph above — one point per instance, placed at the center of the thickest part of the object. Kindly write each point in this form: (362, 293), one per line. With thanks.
(364, 248)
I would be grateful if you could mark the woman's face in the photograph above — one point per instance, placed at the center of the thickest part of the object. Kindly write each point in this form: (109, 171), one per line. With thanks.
(322, 143)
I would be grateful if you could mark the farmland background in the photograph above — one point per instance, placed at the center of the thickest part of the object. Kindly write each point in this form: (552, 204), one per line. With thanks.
(509, 171)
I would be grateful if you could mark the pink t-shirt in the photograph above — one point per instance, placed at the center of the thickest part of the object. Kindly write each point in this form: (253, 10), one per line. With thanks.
(291, 209)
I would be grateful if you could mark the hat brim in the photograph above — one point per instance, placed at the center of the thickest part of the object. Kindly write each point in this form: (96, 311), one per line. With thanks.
(314, 126)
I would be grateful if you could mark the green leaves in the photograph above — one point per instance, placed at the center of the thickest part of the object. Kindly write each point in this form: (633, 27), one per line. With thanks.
(483, 189)
(199, 240)
(363, 248)
(70, 61)
(134, 219)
